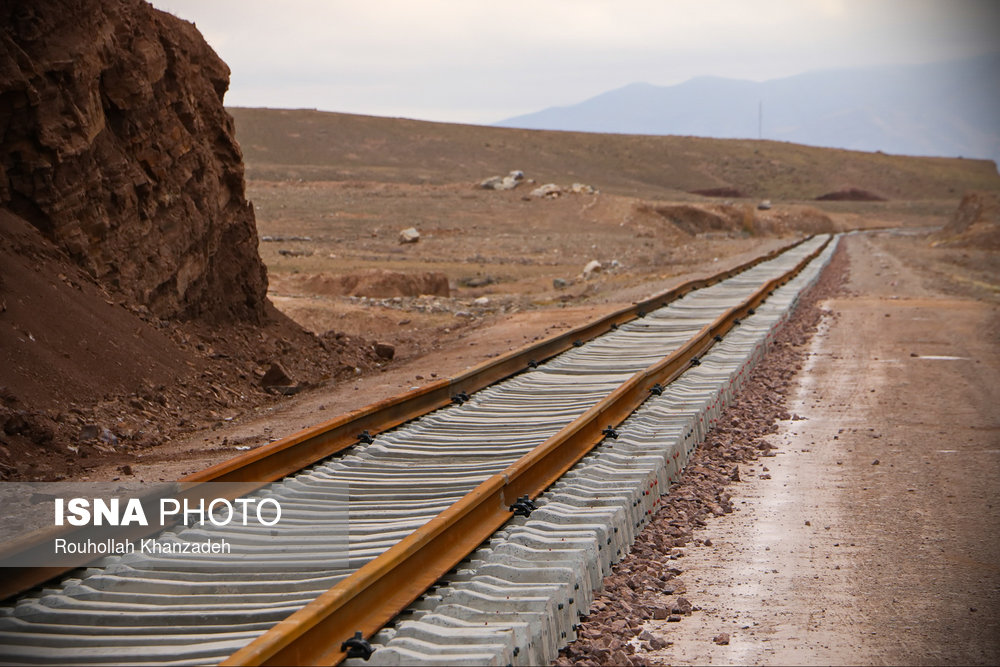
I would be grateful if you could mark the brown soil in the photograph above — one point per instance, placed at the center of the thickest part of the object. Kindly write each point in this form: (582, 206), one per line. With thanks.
(720, 192)
(850, 194)
(501, 254)
(807, 218)
(869, 533)
(369, 283)
(700, 219)
(91, 380)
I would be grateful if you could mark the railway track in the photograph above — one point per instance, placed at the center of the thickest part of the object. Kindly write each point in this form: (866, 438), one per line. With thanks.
(426, 479)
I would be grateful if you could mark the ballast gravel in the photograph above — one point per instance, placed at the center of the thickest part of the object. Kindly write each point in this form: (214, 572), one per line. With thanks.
(644, 585)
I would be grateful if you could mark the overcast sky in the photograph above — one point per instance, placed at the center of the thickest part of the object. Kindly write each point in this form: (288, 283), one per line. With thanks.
(481, 62)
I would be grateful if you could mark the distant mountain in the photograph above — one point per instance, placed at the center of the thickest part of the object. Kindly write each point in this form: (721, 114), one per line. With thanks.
(944, 109)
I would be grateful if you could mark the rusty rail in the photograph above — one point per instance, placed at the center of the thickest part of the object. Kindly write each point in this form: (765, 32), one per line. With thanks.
(385, 586)
(279, 458)
(285, 456)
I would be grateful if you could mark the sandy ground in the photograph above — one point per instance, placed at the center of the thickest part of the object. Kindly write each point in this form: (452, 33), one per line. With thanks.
(874, 539)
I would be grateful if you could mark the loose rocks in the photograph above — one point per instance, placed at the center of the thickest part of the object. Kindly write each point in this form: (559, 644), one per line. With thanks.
(277, 381)
(508, 182)
(549, 190)
(385, 351)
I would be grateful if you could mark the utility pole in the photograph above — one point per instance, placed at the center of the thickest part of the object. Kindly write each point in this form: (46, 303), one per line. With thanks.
(760, 119)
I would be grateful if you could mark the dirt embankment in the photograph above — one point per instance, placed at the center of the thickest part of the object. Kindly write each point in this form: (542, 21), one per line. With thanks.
(374, 283)
(974, 224)
(850, 194)
(742, 219)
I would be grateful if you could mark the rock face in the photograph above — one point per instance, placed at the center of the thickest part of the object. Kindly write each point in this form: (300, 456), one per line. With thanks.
(114, 143)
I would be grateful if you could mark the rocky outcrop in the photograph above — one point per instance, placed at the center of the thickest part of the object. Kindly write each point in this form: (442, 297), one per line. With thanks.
(114, 143)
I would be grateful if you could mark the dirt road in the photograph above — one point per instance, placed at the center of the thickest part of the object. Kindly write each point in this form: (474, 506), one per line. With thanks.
(873, 536)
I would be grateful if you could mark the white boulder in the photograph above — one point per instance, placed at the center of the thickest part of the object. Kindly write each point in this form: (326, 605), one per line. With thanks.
(593, 267)
(508, 182)
(550, 190)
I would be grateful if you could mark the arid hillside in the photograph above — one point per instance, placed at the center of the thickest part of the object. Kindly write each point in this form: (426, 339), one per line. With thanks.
(320, 146)
(332, 193)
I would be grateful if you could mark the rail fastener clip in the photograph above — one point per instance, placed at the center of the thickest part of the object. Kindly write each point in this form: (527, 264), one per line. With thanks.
(523, 506)
(357, 647)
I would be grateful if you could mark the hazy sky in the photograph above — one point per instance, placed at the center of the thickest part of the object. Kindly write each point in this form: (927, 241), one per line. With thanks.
(480, 62)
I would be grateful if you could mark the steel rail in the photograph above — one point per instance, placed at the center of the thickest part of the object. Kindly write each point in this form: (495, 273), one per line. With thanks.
(279, 458)
(151, 609)
(365, 601)
(295, 452)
